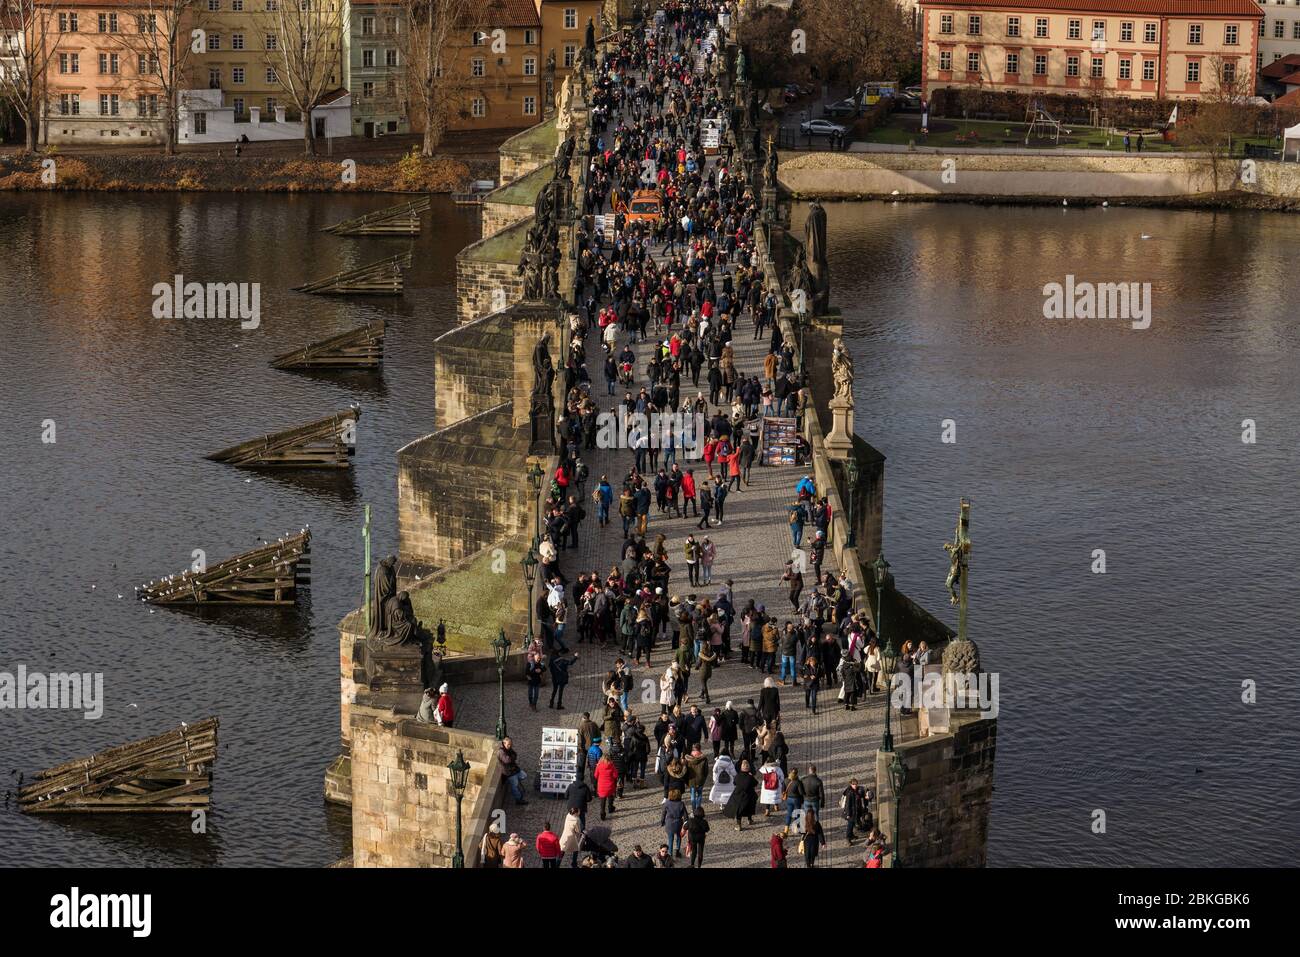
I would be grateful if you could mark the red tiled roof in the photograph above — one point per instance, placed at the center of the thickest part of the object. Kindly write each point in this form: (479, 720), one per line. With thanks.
(508, 13)
(1291, 79)
(1288, 101)
(1176, 8)
(1280, 68)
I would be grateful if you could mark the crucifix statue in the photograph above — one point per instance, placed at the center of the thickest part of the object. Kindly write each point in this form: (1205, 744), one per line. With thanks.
(365, 535)
(959, 564)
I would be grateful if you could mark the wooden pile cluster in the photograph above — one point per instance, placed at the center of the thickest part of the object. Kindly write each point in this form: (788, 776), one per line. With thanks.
(325, 443)
(168, 772)
(267, 575)
(360, 348)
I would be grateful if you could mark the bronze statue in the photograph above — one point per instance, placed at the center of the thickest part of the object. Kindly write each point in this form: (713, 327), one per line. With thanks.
(818, 268)
(541, 412)
(403, 627)
(740, 65)
(590, 43)
(383, 586)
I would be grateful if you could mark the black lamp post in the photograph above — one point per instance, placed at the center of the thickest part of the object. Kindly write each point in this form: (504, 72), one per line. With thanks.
(529, 565)
(898, 780)
(501, 648)
(888, 654)
(852, 473)
(459, 778)
(535, 480)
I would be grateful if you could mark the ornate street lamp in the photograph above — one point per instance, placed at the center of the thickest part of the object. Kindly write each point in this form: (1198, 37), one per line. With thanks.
(535, 475)
(501, 648)
(888, 654)
(529, 565)
(459, 778)
(898, 780)
(852, 473)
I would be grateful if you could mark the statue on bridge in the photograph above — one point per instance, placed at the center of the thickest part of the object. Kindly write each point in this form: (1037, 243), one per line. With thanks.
(548, 74)
(383, 585)
(541, 412)
(818, 268)
(842, 372)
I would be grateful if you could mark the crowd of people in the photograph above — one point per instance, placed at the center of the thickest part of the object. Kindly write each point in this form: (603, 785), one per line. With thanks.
(679, 288)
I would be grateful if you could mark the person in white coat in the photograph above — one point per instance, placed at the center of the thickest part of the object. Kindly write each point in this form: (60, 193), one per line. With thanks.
(666, 685)
(724, 780)
(772, 781)
(571, 836)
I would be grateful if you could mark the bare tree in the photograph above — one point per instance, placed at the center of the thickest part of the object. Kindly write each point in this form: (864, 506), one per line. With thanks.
(860, 40)
(766, 35)
(434, 81)
(307, 54)
(1220, 113)
(159, 44)
(31, 38)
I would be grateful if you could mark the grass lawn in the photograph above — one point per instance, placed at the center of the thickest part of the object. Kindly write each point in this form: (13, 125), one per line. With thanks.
(474, 599)
(904, 128)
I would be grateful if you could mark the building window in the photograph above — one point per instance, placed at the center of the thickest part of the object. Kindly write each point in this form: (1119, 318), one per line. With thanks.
(390, 57)
(570, 18)
(1126, 31)
(1126, 69)
(108, 23)
(214, 41)
(1098, 68)
(108, 63)
(1279, 29)
(1099, 29)
(1193, 71)
(1228, 75)
(1194, 33)
(1013, 63)
(367, 58)
(945, 23)
(214, 78)
(1149, 32)
(214, 5)
(973, 25)
(238, 104)
(478, 106)
(570, 54)
(270, 105)
(1148, 70)
(1295, 30)
(237, 5)
(945, 60)
(478, 38)
(1040, 27)
(200, 123)
(530, 38)
(972, 62)
(367, 26)
(1074, 30)
(67, 23)
(530, 66)
(236, 41)
(236, 74)
(110, 104)
(147, 65)
(270, 41)
(271, 75)
(478, 67)
(1230, 34)
(70, 104)
(1040, 64)
(367, 91)
(530, 106)
(1013, 26)
(1072, 66)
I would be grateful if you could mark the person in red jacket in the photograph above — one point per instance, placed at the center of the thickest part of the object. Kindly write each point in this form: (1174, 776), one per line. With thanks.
(446, 710)
(778, 849)
(606, 775)
(548, 847)
(688, 494)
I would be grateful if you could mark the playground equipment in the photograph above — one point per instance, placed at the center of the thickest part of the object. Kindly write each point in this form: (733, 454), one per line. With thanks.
(1039, 119)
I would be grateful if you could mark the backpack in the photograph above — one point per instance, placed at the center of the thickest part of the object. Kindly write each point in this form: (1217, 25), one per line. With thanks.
(724, 777)
(770, 781)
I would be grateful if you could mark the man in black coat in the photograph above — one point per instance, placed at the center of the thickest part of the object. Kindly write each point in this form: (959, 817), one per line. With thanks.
(579, 796)
(730, 723)
(814, 792)
(559, 678)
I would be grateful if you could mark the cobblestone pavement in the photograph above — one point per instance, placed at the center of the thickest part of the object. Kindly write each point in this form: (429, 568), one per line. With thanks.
(752, 544)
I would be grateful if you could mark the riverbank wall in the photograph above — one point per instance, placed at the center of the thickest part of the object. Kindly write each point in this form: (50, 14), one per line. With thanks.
(106, 172)
(1000, 176)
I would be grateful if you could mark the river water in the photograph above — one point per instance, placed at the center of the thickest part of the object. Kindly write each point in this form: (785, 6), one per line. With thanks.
(1119, 692)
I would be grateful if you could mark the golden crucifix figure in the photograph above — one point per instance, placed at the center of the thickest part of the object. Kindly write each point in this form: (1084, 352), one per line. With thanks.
(959, 563)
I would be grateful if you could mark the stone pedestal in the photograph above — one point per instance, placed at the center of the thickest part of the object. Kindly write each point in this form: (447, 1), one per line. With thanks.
(839, 442)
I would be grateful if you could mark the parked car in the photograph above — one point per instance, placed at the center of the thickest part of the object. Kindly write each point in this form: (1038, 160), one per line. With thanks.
(847, 107)
(906, 103)
(912, 91)
(821, 128)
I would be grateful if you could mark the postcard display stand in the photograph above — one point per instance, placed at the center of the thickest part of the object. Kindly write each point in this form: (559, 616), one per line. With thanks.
(780, 440)
(559, 759)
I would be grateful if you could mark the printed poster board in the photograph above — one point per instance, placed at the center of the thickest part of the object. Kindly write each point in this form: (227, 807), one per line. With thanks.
(780, 440)
(559, 759)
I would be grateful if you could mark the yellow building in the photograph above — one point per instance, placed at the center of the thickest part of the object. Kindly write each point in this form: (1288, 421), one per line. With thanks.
(1132, 48)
